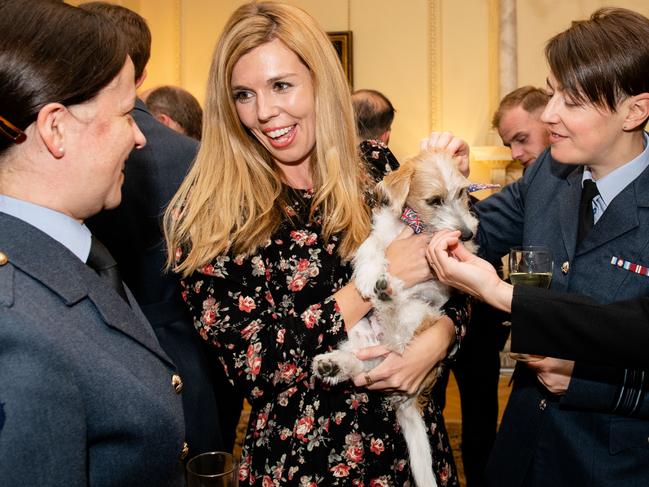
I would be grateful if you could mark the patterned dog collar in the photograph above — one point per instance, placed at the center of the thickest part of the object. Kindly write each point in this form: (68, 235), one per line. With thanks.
(473, 187)
(411, 218)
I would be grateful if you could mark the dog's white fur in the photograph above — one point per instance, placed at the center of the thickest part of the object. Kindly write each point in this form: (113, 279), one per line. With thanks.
(431, 185)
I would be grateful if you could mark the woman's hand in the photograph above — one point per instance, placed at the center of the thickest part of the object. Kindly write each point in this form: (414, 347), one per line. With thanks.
(406, 256)
(456, 266)
(553, 373)
(448, 142)
(406, 372)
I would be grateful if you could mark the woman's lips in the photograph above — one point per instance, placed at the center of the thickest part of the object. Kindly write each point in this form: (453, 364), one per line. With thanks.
(555, 137)
(281, 137)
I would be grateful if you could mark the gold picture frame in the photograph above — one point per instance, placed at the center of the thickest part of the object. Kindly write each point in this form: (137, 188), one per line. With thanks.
(342, 42)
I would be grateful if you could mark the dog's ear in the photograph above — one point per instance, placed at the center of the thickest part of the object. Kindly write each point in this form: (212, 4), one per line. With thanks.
(394, 188)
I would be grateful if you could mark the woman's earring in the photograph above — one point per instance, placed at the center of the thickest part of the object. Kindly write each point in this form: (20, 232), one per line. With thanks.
(61, 150)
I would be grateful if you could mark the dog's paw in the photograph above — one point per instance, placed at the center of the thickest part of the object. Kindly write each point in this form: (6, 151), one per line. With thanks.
(382, 289)
(326, 368)
(335, 367)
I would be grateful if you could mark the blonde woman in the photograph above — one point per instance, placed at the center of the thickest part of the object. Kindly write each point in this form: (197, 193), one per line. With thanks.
(262, 231)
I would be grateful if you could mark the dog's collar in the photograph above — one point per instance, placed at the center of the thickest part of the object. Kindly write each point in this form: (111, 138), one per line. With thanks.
(473, 187)
(411, 218)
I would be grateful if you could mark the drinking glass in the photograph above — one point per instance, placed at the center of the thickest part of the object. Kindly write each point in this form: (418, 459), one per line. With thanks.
(530, 265)
(213, 469)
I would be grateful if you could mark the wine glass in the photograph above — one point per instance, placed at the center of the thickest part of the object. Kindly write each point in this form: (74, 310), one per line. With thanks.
(213, 469)
(530, 265)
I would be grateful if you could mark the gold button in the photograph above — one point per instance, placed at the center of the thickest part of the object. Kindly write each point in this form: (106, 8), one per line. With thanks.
(185, 451)
(3, 258)
(177, 383)
(565, 267)
(543, 404)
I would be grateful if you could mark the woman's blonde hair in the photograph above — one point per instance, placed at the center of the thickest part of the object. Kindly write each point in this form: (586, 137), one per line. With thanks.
(232, 199)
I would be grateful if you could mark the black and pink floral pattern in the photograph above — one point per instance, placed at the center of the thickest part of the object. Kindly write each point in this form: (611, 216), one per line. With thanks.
(269, 314)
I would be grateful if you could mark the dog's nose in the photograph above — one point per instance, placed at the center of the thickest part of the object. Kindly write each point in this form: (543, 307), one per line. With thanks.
(466, 235)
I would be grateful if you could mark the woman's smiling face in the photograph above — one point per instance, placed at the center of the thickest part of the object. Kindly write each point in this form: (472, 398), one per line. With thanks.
(274, 98)
(582, 133)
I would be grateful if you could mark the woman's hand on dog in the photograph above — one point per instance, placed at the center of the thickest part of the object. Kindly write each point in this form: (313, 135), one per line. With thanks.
(448, 142)
(406, 372)
(407, 258)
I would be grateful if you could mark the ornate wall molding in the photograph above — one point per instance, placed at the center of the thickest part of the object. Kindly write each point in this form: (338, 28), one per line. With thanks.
(178, 36)
(435, 64)
(493, 53)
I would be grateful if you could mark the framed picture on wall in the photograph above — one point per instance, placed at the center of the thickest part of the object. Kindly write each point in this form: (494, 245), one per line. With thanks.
(342, 42)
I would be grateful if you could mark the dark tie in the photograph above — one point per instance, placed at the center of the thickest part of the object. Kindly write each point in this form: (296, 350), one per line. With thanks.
(103, 263)
(586, 209)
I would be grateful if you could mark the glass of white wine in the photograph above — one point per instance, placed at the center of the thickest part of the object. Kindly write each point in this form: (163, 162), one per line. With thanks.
(530, 265)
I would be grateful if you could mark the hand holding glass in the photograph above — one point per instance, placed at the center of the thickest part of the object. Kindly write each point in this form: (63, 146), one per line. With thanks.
(530, 265)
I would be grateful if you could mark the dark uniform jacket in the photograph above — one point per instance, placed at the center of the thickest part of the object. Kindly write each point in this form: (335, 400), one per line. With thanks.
(596, 434)
(86, 393)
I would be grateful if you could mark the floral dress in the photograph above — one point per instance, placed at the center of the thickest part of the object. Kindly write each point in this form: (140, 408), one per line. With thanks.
(378, 158)
(269, 314)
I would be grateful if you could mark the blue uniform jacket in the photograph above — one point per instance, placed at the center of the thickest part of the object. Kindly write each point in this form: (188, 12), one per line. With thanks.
(86, 393)
(597, 434)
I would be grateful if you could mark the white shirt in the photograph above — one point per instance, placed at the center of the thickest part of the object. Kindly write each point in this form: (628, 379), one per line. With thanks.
(62, 228)
(613, 183)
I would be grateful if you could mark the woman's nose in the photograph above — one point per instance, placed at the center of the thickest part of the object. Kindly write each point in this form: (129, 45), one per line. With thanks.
(266, 107)
(549, 112)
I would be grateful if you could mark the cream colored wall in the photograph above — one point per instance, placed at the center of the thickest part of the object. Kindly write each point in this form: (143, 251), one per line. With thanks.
(428, 56)
(382, 57)
(391, 55)
(433, 58)
(539, 20)
(466, 69)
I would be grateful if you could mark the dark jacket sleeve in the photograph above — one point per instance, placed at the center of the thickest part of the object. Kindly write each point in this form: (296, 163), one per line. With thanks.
(596, 336)
(574, 327)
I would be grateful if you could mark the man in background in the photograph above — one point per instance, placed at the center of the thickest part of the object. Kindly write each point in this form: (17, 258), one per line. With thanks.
(176, 108)
(374, 116)
(518, 121)
(132, 232)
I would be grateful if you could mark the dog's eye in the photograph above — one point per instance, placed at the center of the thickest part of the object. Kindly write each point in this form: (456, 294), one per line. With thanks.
(434, 201)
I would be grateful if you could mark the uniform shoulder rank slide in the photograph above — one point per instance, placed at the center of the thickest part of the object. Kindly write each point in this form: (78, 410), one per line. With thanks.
(630, 266)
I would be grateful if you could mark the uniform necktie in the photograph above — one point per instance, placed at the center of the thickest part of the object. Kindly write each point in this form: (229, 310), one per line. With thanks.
(586, 209)
(103, 263)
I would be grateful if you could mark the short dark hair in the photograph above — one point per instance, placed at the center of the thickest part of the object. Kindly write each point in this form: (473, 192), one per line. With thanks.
(530, 98)
(374, 113)
(134, 28)
(604, 59)
(52, 52)
(180, 105)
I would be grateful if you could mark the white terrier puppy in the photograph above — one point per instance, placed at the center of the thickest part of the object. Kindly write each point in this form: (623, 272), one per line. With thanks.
(428, 193)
